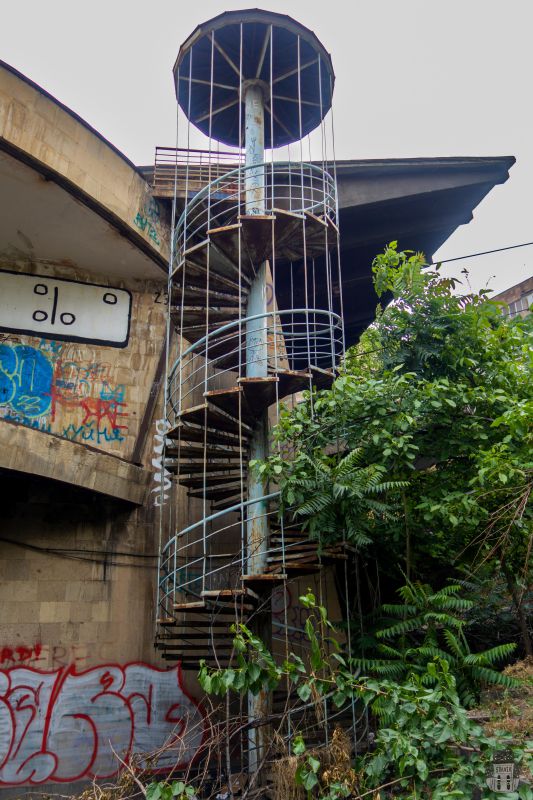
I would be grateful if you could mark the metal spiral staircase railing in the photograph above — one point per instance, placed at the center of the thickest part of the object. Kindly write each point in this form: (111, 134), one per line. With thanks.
(214, 405)
(240, 351)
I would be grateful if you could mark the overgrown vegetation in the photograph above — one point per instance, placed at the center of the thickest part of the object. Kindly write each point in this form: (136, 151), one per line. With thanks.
(421, 453)
(428, 625)
(420, 457)
(426, 745)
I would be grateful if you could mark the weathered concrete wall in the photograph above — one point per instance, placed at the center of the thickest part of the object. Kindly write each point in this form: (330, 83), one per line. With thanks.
(78, 567)
(77, 665)
(79, 533)
(35, 123)
(84, 392)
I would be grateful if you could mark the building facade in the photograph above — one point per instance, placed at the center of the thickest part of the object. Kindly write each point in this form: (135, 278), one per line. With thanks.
(518, 299)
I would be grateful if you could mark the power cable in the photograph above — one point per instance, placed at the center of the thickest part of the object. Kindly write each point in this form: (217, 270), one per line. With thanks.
(457, 258)
(85, 555)
(481, 253)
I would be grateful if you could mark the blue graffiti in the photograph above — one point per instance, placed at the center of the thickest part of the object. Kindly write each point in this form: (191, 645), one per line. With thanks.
(25, 380)
(89, 432)
(117, 394)
(39, 424)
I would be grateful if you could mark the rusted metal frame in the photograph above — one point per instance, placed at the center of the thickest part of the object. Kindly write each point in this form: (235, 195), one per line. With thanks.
(204, 526)
(185, 221)
(216, 85)
(306, 288)
(219, 110)
(162, 364)
(240, 328)
(339, 272)
(193, 349)
(212, 517)
(297, 69)
(217, 187)
(226, 57)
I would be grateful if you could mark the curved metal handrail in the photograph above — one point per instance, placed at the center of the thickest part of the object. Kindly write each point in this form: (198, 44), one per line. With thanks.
(309, 189)
(167, 584)
(238, 323)
(295, 339)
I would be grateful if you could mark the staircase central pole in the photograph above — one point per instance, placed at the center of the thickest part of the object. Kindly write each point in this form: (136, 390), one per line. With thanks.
(257, 367)
(256, 330)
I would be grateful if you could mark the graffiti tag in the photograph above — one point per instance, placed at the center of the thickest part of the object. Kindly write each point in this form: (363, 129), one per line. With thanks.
(65, 725)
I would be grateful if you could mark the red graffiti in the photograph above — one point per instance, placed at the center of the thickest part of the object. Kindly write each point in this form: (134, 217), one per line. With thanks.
(63, 725)
(103, 409)
(21, 654)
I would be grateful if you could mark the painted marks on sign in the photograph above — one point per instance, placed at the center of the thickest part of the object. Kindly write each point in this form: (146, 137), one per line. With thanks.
(148, 220)
(43, 387)
(64, 725)
(64, 309)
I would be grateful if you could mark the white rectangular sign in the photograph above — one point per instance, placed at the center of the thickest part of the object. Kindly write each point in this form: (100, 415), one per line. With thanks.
(62, 309)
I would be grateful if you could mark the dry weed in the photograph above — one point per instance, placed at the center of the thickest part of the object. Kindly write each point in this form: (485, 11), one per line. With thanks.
(335, 760)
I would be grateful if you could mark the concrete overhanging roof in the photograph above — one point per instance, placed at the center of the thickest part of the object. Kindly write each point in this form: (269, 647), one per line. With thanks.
(419, 202)
(68, 195)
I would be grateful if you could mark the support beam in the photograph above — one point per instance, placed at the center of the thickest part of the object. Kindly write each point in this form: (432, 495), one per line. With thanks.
(257, 366)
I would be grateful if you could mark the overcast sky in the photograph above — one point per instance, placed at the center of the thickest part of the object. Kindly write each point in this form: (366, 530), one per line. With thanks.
(414, 78)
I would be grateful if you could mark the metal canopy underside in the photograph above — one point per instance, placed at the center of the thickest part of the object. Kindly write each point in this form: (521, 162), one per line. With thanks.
(302, 76)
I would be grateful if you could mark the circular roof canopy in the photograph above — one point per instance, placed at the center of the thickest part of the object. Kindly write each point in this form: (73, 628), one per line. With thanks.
(273, 46)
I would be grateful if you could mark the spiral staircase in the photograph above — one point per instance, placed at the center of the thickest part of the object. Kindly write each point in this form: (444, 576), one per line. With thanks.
(214, 407)
(252, 80)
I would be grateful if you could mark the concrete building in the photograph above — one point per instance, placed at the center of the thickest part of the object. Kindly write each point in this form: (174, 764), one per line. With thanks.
(84, 250)
(518, 299)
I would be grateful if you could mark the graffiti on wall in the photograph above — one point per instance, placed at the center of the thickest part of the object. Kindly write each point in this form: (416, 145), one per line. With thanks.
(64, 725)
(51, 388)
(162, 477)
(51, 656)
(148, 220)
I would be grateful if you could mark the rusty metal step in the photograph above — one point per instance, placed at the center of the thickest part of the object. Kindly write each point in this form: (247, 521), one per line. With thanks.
(208, 415)
(228, 501)
(210, 480)
(217, 492)
(204, 264)
(192, 294)
(199, 454)
(208, 466)
(191, 433)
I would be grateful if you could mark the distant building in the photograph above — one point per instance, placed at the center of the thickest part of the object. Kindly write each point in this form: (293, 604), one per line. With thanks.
(518, 298)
